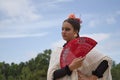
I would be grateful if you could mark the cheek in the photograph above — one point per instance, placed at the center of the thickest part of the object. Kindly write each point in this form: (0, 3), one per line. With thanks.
(71, 33)
(68, 33)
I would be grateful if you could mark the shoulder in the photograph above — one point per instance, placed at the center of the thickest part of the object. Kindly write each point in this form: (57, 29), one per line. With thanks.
(95, 53)
(57, 50)
(95, 56)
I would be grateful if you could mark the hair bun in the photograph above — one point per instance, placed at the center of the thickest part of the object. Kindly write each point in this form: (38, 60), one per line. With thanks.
(79, 20)
(72, 16)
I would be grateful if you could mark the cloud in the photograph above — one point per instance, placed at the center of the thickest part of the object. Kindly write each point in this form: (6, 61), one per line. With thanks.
(93, 23)
(118, 13)
(54, 2)
(27, 30)
(48, 5)
(30, 54)
(23, 10)
(111, 20)
(22, 35)
(98, 37)
(58, 43)
(95, 20)
(21, 18)
(113, 17)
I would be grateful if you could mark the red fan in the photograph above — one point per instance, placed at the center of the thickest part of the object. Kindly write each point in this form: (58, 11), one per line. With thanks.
(76, 48)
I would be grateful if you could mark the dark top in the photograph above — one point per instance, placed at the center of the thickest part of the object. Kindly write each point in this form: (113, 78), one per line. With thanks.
(66, 71)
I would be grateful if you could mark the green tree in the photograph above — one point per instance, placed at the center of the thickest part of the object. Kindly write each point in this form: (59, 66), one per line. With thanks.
(2, 77)
(36, 68)
(11, 78)
(116, 72)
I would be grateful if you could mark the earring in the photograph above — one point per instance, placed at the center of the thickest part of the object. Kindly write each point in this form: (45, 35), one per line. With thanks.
(75, 35)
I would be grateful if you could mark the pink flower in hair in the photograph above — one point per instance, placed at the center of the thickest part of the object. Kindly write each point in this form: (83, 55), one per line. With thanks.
(72, 16)
(79, 20)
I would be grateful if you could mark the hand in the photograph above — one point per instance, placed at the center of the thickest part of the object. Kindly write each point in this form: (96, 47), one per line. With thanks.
(84, 77)
(76, 63)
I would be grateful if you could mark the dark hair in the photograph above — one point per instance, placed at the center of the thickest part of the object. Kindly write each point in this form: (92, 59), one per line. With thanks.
(75, 24)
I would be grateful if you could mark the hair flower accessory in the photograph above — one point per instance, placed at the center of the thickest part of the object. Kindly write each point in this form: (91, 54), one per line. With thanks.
(79, 20)
(72, 16)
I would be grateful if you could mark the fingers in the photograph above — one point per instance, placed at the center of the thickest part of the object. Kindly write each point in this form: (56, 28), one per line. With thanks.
(81, 76)
(76, 63)
(81, 58)
(79, 72)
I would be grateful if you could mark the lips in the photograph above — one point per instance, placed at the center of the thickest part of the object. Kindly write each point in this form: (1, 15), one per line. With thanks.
(64, 36)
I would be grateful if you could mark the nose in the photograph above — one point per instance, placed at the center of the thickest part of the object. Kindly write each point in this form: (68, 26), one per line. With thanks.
(63, 31)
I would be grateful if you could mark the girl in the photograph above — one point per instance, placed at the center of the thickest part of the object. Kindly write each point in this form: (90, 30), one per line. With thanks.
(95, 66)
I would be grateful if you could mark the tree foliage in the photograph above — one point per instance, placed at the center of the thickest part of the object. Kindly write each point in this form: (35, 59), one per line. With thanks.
(36, 69)
(116, 71)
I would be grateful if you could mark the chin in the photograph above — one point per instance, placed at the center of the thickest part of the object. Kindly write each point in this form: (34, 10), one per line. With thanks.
(65, 39)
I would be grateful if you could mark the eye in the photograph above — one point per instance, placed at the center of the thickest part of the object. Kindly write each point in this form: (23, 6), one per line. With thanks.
(62, 28)
(67, 29)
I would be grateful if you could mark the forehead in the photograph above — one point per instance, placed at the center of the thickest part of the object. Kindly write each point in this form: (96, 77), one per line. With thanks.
(67, 24)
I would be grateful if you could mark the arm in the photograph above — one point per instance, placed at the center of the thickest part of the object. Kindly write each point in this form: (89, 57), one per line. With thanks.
(101, 69)
(67, 70)
(61, 72)
(98, 73)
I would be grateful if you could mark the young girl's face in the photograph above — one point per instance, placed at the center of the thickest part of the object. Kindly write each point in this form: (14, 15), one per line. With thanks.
(68, 31)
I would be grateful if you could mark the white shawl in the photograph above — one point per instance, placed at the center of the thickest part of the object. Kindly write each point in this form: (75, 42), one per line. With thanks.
(92, 60)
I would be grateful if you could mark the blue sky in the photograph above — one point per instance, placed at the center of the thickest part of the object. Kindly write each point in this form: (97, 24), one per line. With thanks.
(28, 27)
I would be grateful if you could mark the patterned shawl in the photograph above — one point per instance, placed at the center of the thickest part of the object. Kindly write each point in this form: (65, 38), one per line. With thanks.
(92, 60)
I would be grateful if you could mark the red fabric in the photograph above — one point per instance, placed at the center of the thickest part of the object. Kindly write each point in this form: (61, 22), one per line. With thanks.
(76, 48)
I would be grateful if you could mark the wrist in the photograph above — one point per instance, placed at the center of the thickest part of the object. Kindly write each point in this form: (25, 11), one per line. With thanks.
(69, 72)
(70, 67)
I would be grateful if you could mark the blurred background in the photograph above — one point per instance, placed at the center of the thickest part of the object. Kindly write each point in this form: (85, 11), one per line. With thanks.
(30, 29)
